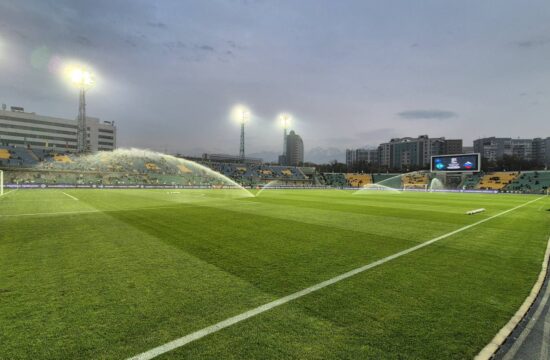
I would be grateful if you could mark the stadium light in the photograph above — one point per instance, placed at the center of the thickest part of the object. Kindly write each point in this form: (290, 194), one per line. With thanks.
(82, 78)
(285, 122)
(241, 114)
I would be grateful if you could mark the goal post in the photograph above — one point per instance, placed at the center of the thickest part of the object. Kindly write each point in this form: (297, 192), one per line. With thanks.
(1, 183)
(415, 187)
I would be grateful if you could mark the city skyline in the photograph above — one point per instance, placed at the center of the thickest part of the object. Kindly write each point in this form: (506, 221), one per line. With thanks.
(169, 73)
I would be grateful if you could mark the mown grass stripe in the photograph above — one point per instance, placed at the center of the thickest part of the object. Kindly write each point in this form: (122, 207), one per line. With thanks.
(182, 341)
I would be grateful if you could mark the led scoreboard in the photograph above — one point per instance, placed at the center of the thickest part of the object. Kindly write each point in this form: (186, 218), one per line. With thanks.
(456, 163)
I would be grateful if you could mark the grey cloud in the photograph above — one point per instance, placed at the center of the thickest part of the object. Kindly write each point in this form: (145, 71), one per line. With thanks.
(174, 45)
(427, 114)
(84, 41)
(282, 58)
(234, 45)
(131, 42)
(157, 24)
(533, 43)
(204, 47)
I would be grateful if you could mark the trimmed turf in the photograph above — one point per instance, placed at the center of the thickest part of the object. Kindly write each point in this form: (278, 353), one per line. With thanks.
(121, 271)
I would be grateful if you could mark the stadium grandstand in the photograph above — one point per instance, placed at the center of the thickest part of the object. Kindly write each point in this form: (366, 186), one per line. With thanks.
(530, 182)
(253, 174)
(513, 181)
(496, 180)
(358, 180)
(31, 166)
(27, 166)
(416, 181)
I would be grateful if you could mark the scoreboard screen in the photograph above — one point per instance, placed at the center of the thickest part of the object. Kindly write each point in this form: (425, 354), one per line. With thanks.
(456, 163)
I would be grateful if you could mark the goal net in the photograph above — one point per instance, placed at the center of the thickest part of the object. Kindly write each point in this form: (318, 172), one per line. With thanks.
(415, 187)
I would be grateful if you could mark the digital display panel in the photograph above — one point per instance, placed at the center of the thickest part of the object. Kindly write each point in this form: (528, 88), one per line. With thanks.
(456, 163)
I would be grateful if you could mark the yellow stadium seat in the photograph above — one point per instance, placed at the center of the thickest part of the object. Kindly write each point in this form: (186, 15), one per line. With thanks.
(419, 181)
(358, 180)
(184, 169)
(496, 180)
(62, 158)
(4, 154)
(151, 166)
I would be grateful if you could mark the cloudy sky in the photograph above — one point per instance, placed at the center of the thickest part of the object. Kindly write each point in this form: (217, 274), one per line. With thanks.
(352, 73)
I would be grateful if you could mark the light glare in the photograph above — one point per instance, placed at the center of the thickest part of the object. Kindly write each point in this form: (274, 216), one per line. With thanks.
(81, 77)
(78, 74)
(240, 114)
(284, 120)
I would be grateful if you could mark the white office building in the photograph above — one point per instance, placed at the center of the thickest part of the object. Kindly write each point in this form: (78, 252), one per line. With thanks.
(20, 128)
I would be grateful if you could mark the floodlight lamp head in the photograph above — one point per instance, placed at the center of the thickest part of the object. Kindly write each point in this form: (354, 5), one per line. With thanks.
(82, 78)
(245, 116)
(240, 114)
(285, 120)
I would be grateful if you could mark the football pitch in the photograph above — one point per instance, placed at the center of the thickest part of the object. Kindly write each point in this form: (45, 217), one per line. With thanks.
(309, 274)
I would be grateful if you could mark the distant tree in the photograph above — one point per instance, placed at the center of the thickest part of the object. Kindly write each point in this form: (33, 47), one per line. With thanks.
(512, 163)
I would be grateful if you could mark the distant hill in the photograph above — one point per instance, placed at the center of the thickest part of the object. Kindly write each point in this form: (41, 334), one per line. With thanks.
(320, 155)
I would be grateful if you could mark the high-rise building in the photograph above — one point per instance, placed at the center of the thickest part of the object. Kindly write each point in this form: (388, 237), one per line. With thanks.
(369, 156)
(541, 151)
(453, 146)
(493, 148)
(294, 150)
(384, 154)
(403, 153)
(20, 128)
(522, 148)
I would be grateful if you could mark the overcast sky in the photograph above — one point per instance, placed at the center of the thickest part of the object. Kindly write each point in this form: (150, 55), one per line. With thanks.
(352, 73)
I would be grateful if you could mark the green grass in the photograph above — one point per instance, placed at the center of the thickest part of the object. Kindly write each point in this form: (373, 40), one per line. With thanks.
(121, 271)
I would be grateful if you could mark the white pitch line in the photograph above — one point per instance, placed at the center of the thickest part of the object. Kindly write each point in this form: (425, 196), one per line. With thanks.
(7, 192)
(182, 341)
(72, 197)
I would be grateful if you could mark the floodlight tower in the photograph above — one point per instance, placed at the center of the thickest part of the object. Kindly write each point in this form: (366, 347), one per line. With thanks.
(243, 117)
(84, 80)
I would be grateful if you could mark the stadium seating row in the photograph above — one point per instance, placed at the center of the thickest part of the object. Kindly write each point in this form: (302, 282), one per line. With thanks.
(358, 180)
(496, 180)
(415, 181)
(43, 166)
(530, 181)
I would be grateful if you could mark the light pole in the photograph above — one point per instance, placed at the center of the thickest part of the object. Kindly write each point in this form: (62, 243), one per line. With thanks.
(243, 118)
(84, 80)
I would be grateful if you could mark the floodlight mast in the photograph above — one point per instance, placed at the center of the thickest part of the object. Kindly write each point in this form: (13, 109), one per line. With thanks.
(244, 115)
(82, 135)
(82, 79)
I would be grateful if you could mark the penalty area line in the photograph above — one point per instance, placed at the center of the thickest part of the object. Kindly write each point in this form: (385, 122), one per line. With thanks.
(72, 197)
(7, 192)
(182, 341)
